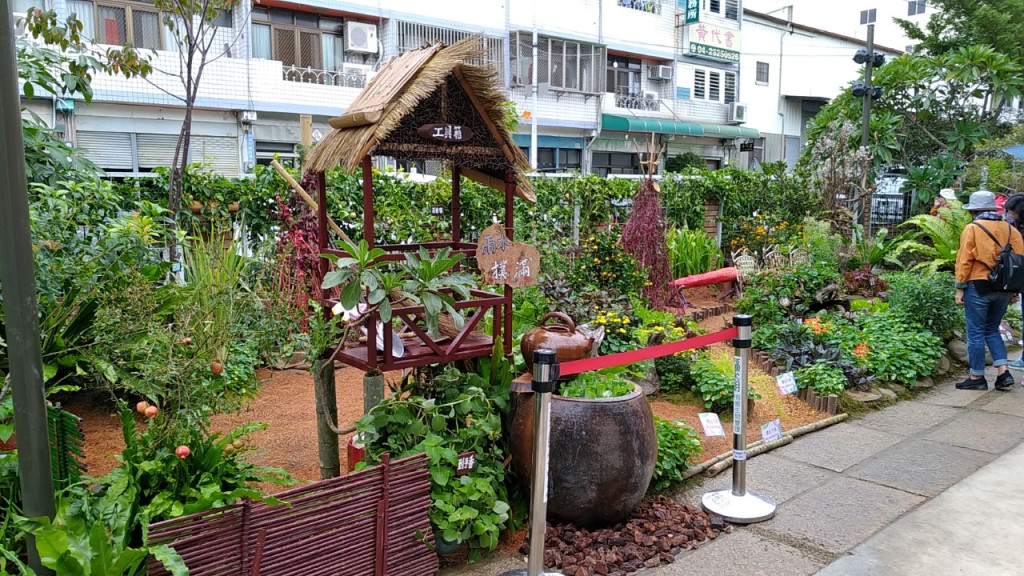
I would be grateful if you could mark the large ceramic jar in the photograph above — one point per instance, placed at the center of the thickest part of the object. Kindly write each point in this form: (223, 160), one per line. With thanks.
(560, 337)
(602, 455)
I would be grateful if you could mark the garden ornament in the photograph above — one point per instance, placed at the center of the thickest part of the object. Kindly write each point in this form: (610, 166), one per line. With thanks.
(981, 201)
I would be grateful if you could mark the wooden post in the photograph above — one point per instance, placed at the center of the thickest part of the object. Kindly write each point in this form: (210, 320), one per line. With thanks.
(510, 190)
(456, 205)
(326, 407)
(306, 130)
(368, 201)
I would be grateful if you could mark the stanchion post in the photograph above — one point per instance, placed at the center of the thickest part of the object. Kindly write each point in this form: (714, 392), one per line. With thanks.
(545, 375)
(739, 505)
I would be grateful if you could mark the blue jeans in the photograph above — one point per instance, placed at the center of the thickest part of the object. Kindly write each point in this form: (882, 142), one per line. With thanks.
(983, 315)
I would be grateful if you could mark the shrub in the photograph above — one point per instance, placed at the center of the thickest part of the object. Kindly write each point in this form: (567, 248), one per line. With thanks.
(456, 413)
(823, 244)
(674, 371)
(678, 445)
(606, 266)
(823, 376)
(691, 252)
(765, 295)
(713, 380)
(888, 348)
(595, 385)
(925, 300)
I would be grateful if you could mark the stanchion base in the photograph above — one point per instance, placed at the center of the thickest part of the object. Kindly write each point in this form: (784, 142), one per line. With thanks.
(525, 572)
(747, 509)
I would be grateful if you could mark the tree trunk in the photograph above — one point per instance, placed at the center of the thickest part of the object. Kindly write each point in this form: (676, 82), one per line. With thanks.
(326, 412)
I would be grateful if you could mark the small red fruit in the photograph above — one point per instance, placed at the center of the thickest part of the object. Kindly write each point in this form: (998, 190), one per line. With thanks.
(217, 368)
(182, 452)
(186, 340)
(151, 412)
(141, 406)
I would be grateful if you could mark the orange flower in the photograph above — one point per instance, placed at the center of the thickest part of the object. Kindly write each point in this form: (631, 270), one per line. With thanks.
(861, 350)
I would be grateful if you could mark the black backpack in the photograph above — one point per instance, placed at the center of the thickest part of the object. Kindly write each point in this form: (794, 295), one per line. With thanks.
(1008, 273)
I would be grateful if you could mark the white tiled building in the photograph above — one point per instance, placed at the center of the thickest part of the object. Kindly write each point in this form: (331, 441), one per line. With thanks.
(609, 72)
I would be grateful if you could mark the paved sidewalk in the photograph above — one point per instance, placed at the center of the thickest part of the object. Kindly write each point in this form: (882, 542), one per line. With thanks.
(925, 487)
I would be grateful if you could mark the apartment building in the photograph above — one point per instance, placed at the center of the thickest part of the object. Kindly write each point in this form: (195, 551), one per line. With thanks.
(608, 73)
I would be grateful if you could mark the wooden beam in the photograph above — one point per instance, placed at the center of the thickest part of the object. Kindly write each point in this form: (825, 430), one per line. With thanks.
(483, 114)
(307, 199)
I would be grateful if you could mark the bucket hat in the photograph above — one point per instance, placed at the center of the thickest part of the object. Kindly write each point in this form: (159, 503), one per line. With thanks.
(980, 201)
(948, 193)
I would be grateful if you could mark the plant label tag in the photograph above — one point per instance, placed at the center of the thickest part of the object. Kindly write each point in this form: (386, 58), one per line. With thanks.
(771, 431)
(786, 383)
(739, 455)
(467, 461)
(711, 423)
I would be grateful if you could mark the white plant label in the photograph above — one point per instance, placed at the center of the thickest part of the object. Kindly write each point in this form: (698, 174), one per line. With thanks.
(738, 455)
(711, 424)
(771, 431)
(786, 383)
(737, 396)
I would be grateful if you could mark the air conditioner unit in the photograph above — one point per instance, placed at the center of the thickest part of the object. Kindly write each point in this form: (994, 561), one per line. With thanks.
(659, 72)
(355, 75)
(650, 95)
(737, 113)
(360, 37)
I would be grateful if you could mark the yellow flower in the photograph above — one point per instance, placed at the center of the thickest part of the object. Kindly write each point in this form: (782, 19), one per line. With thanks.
(625, 320)
(622, 331)
(597, 260)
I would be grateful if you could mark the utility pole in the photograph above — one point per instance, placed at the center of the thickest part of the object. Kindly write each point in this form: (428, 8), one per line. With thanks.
(17, 274)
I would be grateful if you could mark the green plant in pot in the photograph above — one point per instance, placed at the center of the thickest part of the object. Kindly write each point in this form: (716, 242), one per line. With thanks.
(603, 448)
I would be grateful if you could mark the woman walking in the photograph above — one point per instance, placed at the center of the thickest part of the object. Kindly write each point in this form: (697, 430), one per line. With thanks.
(1014, 208)
(983, 307)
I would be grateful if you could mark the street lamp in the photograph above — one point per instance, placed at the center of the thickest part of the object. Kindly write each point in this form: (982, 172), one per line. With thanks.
(870, 60)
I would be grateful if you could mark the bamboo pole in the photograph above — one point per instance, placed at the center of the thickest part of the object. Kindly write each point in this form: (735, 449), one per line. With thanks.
(794, 433)
(307, 198)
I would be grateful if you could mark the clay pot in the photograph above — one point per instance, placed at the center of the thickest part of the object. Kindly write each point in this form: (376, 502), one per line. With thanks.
(602, 455)
(561, 338)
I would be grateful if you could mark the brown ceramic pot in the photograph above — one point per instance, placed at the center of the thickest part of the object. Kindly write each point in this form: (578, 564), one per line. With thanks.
(562, 338)
(602, 453)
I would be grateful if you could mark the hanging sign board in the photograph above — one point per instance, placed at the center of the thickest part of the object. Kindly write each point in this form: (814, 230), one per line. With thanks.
(746, 147)
(442, 132)
(502, 261)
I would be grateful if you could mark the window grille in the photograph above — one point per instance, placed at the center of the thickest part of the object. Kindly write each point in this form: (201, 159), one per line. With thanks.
(762, 73)
(411, 36)
(732, 9)
(714, 86)
(563, 64)
(650, 6)
(699, 85)
(730, 88)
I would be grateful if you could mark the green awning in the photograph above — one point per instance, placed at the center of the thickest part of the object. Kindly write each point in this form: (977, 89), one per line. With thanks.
(656, 125)
(727, 131)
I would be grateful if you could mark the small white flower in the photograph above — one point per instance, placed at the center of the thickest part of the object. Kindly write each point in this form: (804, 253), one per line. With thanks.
(337, 309)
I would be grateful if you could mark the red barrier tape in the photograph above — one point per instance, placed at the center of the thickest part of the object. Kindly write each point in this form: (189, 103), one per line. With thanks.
(588, 364)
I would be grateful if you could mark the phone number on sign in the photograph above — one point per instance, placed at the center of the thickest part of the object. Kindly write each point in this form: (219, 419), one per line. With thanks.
(712, 52)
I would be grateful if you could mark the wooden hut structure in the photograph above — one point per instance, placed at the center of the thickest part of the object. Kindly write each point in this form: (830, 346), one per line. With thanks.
(428, 104)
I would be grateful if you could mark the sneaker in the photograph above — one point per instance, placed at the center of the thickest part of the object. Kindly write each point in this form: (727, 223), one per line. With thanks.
(1017, 364)
(973, 384)
(1004, 381)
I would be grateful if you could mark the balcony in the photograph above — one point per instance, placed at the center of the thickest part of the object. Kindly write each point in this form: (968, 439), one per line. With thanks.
(644, 102)
(649, 6)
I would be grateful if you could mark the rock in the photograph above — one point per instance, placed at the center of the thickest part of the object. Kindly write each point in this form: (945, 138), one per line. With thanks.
(897, 388)
(926, 382)
(860, 396)
(650, 383)
(889, 394)
(958, 350)
(942, 366)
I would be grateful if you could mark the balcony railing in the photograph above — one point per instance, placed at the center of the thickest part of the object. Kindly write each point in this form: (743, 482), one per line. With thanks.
(349, 79)
(637, 103)
(649, 6)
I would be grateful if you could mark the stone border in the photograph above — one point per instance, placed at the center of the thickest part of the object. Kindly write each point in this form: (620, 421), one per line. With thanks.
(705, 313)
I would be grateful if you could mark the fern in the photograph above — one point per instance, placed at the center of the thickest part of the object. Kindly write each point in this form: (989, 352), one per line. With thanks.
(942, 233)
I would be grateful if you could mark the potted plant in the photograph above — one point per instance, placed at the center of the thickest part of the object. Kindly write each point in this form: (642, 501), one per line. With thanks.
(603, 448)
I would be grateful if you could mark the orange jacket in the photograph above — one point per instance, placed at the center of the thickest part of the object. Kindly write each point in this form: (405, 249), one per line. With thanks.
(977, 253)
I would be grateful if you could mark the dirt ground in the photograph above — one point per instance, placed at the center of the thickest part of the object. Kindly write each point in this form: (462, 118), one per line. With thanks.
(286, 405)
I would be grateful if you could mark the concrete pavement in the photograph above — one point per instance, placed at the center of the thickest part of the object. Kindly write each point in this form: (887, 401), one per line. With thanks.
(928, 487)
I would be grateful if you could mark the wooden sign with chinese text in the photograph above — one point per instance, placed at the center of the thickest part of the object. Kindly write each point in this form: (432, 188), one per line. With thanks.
(445, 132)
(502, 261)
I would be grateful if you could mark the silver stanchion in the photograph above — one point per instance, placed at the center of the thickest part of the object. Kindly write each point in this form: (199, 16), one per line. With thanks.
(739, 505)
(545, 374)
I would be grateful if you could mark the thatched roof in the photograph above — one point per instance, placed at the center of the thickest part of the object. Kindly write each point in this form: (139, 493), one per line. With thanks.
(430, 85)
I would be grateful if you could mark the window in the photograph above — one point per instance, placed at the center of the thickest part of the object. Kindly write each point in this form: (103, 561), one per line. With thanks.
(729, 9)
(562, 64)
(762, 73)
(22, 6)
(623, 76)
(118, 24)
(310, 47)
(915, 7)
(568, 159)
(225, 18)
(606, 163)
(714, 85)
(413, 35)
